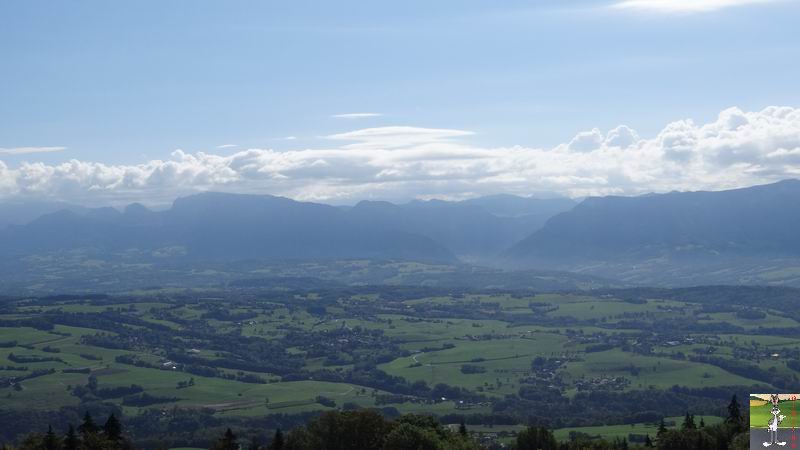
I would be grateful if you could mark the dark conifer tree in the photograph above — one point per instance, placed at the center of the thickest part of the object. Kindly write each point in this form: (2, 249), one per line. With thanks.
(71, 441)
(462, 428)
(688, 422)
(278, 442)
(734, 411)
(50, 440)
(229, 441)
(88, 426)
(662, 428)
(112, 428)
(229, 436)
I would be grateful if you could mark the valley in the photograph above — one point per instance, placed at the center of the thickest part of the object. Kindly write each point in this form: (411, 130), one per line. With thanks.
(491, 358)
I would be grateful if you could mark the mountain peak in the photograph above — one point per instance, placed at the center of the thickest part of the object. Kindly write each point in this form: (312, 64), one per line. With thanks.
(137, 209)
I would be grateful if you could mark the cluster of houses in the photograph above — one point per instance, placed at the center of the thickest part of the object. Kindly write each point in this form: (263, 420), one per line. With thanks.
(608, 382)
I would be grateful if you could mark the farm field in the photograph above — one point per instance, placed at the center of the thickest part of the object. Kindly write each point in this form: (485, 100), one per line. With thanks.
(625, 431)
(493, 359)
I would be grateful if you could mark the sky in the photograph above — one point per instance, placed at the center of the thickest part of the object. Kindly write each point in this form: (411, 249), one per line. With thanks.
(336, 101)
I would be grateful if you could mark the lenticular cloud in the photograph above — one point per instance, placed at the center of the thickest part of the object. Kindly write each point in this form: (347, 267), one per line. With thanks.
(737, 149)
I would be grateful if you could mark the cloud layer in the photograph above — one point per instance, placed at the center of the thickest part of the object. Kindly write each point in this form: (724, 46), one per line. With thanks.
(737, 149)
(30, 150)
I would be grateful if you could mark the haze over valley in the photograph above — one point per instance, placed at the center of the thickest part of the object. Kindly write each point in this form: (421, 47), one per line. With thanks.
(742, 236)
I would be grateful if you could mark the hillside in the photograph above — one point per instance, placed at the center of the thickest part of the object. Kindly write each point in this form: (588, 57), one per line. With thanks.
(225, 227)
(743, 228)
(474, 230)
(220, 227)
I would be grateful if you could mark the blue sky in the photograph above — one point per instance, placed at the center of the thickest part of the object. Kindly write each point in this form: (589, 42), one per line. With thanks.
(121, 84)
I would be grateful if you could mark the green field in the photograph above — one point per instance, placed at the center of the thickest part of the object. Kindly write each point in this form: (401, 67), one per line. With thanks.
(289, 353)
(611, 432)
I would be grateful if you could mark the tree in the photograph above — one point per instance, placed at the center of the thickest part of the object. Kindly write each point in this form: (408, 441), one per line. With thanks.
(71, 439)
(229, 441)
(647, 442)
(301, 439)
(350, 429)
(50, 440)
(33, 441)
(702, 423)
(688, 422)
(535, 438)
(96, 441)
(88, 426)
(407, 436)
(113, 429)
(277, 441)
(734, 413)
(462, 428)
(254, 444)
(91, 384)
(662, 428)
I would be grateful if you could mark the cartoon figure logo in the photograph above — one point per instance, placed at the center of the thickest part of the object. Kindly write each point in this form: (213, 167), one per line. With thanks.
(773, 423)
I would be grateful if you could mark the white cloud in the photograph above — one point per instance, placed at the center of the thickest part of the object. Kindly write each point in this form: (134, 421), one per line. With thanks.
(397, 137)
(364, 115)
(291, 138)
(738, 148)
(622, 136)
(586, 141)
(227, 146)
(30, 150)
(683, 6)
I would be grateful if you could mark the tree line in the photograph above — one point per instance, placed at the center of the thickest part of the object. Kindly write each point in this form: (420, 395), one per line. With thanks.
(368, 429)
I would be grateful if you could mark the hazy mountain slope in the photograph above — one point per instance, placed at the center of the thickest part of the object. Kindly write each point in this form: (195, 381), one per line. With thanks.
(726, 229)
(469, 232)
(20, 213)
(289, 229)
(215, 226)
(477, 229)
(505, 205)
(235, 226)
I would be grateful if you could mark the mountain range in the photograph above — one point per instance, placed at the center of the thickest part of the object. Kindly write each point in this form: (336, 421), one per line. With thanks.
(747, 235)
(20, 213)
(726, 234)
(227, 227)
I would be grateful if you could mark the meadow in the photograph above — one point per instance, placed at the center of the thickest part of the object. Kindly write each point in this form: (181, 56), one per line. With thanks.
(489, 358)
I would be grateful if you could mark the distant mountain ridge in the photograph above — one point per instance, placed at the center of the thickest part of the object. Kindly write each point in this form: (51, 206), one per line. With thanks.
(655, 232)
(214, 226)
(220, 226)
(475, 230)
(20, 213)
(739, 236)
